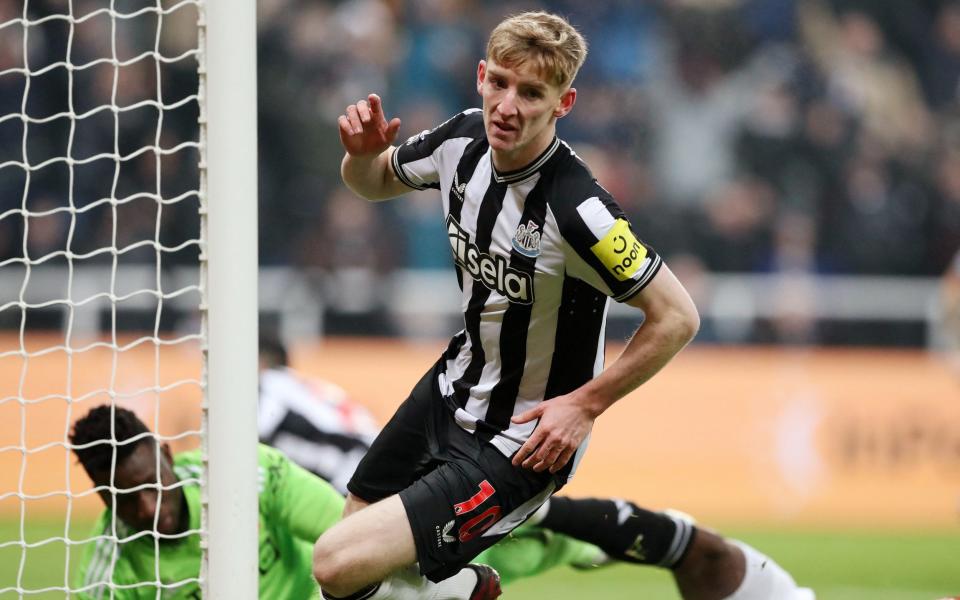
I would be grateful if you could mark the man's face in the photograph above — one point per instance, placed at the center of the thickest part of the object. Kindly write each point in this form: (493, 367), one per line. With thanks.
(138, 508)
(520, 110)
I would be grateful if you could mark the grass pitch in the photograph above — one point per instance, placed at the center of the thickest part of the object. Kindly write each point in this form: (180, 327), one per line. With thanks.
(838, 565)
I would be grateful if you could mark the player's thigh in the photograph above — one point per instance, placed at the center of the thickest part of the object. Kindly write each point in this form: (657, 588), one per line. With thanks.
(352, 505)
(376, 539)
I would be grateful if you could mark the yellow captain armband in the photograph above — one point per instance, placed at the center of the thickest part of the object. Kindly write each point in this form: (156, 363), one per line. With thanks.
(620, 251)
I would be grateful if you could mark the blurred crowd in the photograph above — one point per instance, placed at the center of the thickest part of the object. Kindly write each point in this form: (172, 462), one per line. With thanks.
(752, 135)
(102, 154)
(813, 136)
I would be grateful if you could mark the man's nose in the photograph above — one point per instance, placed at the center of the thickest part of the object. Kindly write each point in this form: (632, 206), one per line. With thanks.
(508, 103)
(147, 504)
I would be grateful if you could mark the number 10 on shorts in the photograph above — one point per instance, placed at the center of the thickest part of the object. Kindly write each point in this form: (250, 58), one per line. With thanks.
(480, 523)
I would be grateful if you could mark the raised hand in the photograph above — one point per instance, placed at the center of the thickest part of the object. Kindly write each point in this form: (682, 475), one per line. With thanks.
(364, 131)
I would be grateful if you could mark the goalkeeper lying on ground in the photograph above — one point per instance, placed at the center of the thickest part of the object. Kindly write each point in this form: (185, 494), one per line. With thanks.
(296, 507)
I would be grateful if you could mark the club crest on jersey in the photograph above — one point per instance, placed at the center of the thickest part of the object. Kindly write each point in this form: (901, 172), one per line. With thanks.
(527, 240)
(494, 271)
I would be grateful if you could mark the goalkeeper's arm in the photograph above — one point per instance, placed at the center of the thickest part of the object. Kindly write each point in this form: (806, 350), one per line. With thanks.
(300, 501)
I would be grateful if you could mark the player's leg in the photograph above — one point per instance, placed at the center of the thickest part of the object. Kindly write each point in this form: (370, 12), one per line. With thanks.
(706, 566)
(367, 556)
(353, 504)
(364, 548)
(623, 530)
(710, 569)
(763, 578)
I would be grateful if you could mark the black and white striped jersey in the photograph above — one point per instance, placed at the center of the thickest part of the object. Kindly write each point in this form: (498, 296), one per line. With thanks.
(314, 424)
(538, 251)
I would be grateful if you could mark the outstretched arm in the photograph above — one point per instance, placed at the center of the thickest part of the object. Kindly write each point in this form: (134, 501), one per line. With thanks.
(307, 504)
(367, 138)
(670, 322)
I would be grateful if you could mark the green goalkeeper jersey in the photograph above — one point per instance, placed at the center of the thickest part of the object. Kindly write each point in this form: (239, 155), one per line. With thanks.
(295, 508)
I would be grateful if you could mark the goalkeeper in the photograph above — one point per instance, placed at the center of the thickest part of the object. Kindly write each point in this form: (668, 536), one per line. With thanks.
(164, 524)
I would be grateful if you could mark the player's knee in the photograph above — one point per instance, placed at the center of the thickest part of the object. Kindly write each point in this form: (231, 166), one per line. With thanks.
(712, 568)
(707, 550)
(329, 567)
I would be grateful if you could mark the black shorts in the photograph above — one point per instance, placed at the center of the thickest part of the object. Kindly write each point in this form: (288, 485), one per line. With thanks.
(461, 494)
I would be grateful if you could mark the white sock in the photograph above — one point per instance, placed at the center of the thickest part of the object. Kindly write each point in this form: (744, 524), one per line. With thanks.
(764, 579)
(540, 514)
(409, 584)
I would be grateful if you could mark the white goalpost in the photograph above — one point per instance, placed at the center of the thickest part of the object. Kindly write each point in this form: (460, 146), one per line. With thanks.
(128, 270)
(228, 118)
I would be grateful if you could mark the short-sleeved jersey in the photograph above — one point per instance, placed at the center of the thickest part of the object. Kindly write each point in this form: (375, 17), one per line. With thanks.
(314, 423)
(538, 252)
(295, 508)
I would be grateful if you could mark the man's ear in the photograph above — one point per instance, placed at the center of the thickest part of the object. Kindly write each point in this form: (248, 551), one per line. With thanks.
(481, 73)
(567, 100)
(167, 453)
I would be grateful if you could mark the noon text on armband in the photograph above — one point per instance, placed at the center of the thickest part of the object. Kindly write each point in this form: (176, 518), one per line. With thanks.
(493, 271)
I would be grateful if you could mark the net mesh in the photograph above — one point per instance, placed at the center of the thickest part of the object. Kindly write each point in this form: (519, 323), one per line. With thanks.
(100, 291)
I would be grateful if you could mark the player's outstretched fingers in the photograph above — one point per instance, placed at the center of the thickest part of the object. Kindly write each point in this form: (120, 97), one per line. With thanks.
(393, 127)
(354, 118)
(376, 105)
(363, 109)
(346, 130)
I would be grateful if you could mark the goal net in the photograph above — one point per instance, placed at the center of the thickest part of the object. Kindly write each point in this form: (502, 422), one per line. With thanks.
(104, 286)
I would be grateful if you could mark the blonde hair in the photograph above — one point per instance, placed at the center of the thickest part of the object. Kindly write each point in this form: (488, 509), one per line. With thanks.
(553, 46)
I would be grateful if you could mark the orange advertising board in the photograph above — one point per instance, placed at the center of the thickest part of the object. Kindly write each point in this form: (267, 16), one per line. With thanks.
(854, 438)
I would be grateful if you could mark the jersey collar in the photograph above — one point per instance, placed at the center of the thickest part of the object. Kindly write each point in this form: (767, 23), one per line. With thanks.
(525, 172)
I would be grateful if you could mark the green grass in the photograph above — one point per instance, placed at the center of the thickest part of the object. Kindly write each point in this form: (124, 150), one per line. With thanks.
(838, 565)
(43, 565)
